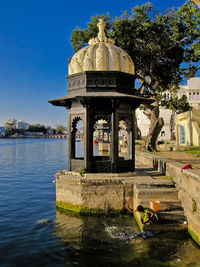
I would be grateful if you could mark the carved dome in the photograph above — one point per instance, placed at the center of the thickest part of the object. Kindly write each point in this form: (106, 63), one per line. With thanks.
(101, 55)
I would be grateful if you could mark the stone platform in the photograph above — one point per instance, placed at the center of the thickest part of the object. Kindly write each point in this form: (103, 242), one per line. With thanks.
(108, 193)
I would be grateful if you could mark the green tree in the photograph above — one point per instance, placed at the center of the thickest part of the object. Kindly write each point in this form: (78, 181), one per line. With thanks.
(19, 131)
(60, 129)
(163, 46)
(9, 131)
(176, 104)
(37, 128)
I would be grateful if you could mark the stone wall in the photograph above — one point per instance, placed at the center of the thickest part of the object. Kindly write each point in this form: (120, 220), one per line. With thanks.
(93, 193)
(187, 183)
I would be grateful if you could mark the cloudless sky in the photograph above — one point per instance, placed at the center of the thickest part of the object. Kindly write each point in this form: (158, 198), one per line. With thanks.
(35, 46)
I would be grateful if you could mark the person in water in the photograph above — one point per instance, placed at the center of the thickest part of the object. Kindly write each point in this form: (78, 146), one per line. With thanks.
(148, 215)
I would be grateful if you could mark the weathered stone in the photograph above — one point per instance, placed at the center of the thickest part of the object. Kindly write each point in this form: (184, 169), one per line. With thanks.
(99, 192)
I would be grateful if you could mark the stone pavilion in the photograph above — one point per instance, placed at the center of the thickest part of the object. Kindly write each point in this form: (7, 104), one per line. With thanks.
(101, 86)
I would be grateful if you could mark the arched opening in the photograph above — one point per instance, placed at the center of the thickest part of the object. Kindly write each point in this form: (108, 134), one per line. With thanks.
(101, 138)
(78, 139)
(182, 135)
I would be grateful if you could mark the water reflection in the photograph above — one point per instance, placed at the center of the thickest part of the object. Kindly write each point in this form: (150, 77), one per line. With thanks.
(87, 242)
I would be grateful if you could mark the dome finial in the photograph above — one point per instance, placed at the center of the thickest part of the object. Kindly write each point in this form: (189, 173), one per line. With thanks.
(101, 35)
(101, 38)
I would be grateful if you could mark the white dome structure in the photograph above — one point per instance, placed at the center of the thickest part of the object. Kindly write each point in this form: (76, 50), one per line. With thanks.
(101, 55)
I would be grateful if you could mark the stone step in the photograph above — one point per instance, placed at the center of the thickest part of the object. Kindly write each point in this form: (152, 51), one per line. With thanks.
(164, 204)
(174, 215)
(158, 184)
(160, 194)
(169, 226)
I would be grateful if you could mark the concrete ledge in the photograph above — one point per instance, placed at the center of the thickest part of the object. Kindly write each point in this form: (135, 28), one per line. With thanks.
(187, 183)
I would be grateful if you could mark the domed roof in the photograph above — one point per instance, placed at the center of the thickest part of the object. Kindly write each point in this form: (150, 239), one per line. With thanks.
(101, 55)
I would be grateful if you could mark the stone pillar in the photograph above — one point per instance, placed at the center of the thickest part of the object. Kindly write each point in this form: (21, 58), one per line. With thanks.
(114, 141)
(69, 142)
(73, 140)
(88, 139)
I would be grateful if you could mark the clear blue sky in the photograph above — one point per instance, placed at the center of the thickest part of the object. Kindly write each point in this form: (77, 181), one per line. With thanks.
(35, 46)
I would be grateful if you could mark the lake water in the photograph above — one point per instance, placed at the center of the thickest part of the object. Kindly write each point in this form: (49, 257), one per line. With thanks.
(34, 233)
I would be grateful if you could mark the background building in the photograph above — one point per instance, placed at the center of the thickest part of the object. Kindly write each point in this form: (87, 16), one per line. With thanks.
(22, 125)
(188, 128)
(191, 90)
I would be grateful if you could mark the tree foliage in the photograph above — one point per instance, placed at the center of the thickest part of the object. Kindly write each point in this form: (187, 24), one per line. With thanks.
(164, 46)
(37, 128)
(9, 131)
(20, 131)
(176, 104)
(60, 129)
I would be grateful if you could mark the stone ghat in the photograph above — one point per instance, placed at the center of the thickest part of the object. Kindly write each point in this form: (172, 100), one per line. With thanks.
(108, 193)
(187, 183)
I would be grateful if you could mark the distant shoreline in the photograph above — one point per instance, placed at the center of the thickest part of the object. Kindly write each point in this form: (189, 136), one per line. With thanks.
(34, 137)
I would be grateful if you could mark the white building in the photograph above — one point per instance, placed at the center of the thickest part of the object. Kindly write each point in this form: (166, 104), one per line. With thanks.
(16, 124)
(22, 125)
(192, 91)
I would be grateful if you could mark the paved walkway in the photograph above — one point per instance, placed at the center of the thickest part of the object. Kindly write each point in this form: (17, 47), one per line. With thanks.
(182, 157)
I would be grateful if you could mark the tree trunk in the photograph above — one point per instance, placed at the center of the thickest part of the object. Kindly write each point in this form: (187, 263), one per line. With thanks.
(156, 126)
(156, 122)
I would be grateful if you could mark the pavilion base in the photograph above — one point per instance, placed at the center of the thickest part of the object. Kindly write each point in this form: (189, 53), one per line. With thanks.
(93, 193)
(100, 163)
